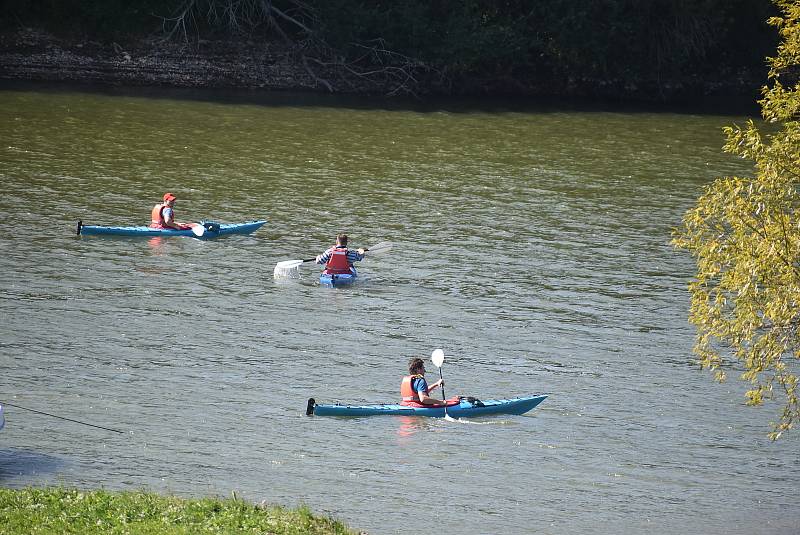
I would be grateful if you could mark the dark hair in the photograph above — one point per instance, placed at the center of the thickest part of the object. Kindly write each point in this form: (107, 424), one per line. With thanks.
(341, 238)
(414, 364)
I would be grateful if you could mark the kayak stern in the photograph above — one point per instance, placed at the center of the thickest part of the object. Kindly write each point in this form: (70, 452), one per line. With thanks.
(335, 280)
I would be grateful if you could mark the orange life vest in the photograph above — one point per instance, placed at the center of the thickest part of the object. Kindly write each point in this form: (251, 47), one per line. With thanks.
(157, 217)
(408, 395)
(337, 263)
(410, 398)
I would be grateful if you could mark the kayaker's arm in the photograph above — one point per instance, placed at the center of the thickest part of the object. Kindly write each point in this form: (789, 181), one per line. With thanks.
(324, 257)
(169, 221)
(425, 399)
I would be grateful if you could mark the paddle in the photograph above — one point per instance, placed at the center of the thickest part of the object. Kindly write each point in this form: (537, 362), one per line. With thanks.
(288, 267)
(198, 230)
(437, 357)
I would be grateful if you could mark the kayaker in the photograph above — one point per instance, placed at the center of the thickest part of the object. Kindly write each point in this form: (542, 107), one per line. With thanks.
(339, 259)
(414, 389)
(163, 216)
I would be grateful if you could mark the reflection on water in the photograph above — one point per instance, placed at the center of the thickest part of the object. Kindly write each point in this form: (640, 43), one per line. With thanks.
(532, 247)
(409, 426)
(156, 244)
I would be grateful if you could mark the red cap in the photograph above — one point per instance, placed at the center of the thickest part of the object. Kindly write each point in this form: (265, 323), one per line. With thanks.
(169, 197)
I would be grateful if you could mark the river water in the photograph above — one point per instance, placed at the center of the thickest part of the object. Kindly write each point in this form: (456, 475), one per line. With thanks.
(531, 245)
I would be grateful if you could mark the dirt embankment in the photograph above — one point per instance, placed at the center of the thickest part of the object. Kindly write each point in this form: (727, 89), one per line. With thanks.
(35, 55)
(30, 54)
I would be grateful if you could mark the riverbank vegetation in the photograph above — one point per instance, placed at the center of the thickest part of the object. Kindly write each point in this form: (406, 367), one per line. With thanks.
(745, 235)
(651, 49)
(58, 510)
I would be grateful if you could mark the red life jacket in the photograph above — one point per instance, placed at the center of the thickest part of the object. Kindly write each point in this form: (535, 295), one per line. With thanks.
(157, 217)
(337, 263)
(408, 395)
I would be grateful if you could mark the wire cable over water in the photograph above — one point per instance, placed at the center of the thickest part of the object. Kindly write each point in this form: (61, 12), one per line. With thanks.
(60, 417)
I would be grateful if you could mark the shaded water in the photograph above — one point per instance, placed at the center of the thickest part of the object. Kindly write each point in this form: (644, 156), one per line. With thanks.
(532, 246)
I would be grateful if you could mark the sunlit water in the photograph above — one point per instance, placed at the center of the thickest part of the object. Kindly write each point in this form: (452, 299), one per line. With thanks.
(532, 246)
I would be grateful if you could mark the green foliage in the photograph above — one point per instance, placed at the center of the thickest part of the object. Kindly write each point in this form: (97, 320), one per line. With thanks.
(56, 511)
(97, 18)
(461, 36)
(745, 236)
(620, 41)
(473, 44)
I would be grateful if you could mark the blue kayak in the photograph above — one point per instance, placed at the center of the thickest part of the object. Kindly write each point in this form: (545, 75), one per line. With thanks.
(2, 418)
(466, 408)
(332, 280)
(211, 230)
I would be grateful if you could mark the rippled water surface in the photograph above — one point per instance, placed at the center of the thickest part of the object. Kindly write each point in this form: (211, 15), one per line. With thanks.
(532, 246)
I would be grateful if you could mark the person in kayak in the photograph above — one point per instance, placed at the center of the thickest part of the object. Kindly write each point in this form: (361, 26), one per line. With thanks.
(163, 215)
(339, 259)
(414, 389)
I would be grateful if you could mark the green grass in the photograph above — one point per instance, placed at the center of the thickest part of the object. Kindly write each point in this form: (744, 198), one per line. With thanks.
(61, 511)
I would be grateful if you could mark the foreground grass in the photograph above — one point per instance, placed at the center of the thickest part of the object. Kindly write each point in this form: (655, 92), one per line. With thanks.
(58, 511)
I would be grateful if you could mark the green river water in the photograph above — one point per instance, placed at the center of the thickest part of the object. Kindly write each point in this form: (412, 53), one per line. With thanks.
(530, 244)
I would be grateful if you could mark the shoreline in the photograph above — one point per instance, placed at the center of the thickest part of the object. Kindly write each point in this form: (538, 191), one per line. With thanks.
(35, 56)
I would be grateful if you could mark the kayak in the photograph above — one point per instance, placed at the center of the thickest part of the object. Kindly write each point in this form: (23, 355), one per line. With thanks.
(2, 418)
(466, 408)
(342, 279)
(211, 230)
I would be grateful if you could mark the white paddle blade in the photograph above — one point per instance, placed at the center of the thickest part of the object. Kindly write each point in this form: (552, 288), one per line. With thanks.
(198, 230)
(381, 247)
(287, 268)
(437, 357)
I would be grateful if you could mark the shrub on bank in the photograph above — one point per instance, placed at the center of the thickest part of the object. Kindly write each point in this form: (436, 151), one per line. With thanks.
(59, 510)
(645, 50)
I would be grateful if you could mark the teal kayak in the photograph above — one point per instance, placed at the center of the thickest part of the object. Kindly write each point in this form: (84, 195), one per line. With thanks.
(465, 408)
(210, 230)
(341, 279)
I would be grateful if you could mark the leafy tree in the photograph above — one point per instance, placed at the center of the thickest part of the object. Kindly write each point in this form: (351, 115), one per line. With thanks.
(653, 48)
(745, 236)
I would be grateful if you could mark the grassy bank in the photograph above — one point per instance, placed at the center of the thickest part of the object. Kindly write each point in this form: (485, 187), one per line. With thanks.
(59, 510)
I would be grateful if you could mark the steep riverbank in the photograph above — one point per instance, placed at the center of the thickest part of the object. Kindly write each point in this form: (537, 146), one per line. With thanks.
(31, 54)
(35, 55)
